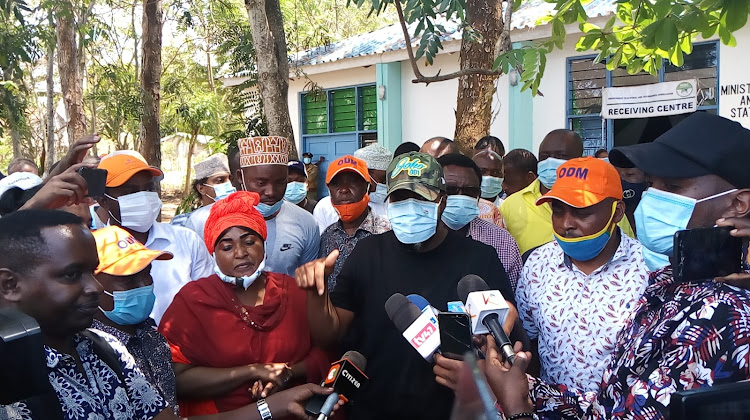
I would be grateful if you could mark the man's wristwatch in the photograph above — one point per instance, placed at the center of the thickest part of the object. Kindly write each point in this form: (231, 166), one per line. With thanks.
(265, 412)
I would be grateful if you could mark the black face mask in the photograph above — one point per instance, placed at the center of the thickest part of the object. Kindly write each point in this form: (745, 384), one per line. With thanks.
(631, 194)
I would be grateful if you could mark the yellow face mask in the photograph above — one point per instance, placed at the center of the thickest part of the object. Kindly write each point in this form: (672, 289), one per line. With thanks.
(588, 247)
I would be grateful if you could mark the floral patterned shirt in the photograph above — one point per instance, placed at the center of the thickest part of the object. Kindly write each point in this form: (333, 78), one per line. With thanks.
(96, 393)
(681, 336)
(335, 237)
(576, 316)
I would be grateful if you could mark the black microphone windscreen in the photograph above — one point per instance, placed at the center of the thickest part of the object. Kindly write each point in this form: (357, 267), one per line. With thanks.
(356, 358)
(401, 311)
(470, 283)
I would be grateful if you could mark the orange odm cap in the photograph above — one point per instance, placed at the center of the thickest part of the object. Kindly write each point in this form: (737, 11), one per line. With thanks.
(584, 182)
(120, 254)
(123, 164)
(347, 163)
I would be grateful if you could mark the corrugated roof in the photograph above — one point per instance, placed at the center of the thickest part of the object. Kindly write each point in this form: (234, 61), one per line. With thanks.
(391, 37)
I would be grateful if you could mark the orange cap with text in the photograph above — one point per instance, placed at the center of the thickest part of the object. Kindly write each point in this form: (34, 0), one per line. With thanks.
(583, 182)
(123, 164)
(120, 254)
(347, 163)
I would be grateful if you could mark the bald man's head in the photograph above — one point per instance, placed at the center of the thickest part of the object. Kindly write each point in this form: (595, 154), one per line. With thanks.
(439, 146)
(561, 144)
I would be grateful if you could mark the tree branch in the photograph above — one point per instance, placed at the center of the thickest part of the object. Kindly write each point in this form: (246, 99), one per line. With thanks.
(419, 77)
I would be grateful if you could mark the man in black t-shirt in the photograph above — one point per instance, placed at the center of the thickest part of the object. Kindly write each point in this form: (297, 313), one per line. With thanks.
(420, 255)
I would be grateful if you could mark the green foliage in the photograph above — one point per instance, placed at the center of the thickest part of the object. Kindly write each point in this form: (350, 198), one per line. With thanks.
(17, 47)
(642, 33)
(637, 38)
(313, 23)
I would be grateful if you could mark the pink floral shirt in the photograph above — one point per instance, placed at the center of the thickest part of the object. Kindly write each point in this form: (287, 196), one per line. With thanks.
(576, 317)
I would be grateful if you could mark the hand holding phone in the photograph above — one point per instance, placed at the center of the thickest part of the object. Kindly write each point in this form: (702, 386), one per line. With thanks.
(455, 334)
(707, 253)
(96, 180)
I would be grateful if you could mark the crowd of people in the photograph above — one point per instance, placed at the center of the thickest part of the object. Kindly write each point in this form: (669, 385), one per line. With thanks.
(237, 309)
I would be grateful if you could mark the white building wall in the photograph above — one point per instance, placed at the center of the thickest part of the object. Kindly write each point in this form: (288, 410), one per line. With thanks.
(733, 65)
(333, 79)
(429, 110)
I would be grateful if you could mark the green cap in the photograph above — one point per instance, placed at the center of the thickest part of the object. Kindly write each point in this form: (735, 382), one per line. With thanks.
(418, 172)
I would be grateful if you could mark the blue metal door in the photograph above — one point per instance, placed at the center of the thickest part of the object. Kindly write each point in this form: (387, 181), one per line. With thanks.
(329, 146)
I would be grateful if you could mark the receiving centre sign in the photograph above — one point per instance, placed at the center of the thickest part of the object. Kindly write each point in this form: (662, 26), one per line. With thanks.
(654, 100)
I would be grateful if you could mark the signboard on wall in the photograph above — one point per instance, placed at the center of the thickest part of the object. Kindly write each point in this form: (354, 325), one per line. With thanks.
(735, 102)
(654, 100)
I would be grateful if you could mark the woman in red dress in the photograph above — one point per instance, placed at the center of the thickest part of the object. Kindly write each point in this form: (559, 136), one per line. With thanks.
(241, 333)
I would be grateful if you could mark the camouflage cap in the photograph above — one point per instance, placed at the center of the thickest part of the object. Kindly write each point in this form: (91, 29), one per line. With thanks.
(418, 172)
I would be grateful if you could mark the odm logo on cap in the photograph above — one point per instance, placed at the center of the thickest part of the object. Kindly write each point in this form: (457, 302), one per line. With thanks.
(412, 167)
(126, 242)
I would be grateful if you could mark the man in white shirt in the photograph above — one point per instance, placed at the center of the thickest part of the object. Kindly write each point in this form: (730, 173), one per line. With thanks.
(293, 236)
(576, 292)
(131, 202)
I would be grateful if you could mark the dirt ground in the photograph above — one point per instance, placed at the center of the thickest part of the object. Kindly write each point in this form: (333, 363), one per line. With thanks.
(170, 200)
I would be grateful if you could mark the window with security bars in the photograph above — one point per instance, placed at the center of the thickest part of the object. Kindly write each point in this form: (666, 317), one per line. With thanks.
(344, 110)
(586, 80)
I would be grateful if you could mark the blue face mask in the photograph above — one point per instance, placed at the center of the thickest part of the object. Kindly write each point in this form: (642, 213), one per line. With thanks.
(295, 192)
(547, 171)
(413, 221)
(492, 186)
(588, 247)
(131, 306)
(264, 209)
(223, 190)
(659, 216)
(378, 196)
(459, 211)
(268, 211)
(306, 160)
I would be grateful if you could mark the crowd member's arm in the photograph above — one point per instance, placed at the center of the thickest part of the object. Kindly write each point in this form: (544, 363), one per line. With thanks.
(67, 189)
(200, 382)
(282, 405)
(327, 323)
(741, 230)
(75, 154)
(517, 392)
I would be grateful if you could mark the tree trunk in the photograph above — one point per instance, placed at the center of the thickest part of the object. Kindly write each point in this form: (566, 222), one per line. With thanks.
(269, 40)
(67, 67)
(475, 92)
(136, 64)
(150, 136)
(50, 143)
(191, 149)
(15, 138)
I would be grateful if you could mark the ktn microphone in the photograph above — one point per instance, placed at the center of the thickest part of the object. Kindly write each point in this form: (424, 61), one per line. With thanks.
(346, 377)
(487, 309)
(417, 327)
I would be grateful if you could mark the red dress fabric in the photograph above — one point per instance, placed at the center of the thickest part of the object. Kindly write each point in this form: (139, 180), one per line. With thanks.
(206, 325)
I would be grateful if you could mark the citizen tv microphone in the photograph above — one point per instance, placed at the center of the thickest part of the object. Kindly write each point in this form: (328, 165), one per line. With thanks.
(416, 326)
(487, 309)
(346, 377)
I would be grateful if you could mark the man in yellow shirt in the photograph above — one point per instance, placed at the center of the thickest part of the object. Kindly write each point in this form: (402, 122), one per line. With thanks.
(531, 225)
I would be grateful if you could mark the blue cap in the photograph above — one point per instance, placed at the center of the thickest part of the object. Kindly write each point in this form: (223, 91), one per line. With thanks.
(298, 166)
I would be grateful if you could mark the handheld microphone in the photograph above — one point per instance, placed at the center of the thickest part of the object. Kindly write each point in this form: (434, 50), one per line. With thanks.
(424, 306)
(328, 405)
(346, 377)
(416, 326)
(487, 309)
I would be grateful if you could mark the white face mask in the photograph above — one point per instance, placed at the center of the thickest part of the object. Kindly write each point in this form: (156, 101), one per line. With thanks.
(138, 211)
(244, 281)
